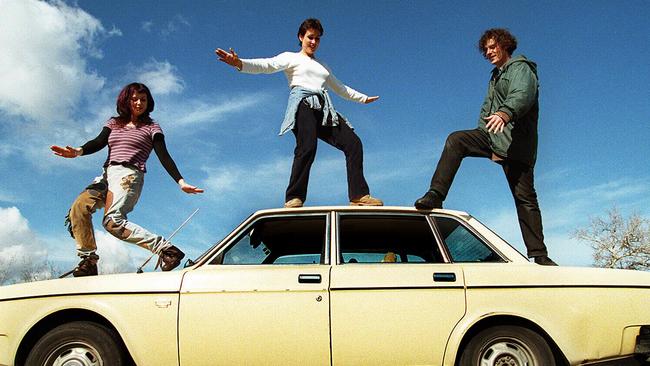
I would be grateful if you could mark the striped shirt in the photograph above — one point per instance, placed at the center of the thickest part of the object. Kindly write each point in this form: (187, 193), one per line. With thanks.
(130, 145)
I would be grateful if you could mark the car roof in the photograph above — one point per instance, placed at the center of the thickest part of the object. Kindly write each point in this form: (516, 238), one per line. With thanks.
(386, 209)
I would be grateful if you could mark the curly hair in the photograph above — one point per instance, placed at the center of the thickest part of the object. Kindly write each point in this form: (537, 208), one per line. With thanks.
(311, 23)
(123, 106)
(501, 36)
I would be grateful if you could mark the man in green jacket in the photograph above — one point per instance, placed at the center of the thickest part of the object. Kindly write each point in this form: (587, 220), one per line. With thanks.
(506, 133)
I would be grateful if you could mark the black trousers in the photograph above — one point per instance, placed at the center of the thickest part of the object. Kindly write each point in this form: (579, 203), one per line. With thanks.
(308, 130)
(476, 143)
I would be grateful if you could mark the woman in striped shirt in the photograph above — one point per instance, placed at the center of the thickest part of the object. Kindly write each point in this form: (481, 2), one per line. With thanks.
(130, 137)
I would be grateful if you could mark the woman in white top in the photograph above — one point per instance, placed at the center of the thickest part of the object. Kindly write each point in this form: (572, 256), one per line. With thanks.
(310, 114)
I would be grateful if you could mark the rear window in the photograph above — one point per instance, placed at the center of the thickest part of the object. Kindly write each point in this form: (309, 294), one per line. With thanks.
(462, 244)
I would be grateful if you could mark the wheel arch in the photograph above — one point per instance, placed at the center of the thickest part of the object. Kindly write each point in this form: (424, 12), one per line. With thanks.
(56, 319)
(496, 320)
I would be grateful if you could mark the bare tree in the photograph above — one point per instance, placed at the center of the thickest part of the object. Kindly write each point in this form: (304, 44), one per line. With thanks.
(618, 242)
(30, 271)
(4, 271)
(18, 269)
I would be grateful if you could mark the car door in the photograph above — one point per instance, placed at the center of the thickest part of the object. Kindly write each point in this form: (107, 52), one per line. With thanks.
(263, 298)
(394, 300)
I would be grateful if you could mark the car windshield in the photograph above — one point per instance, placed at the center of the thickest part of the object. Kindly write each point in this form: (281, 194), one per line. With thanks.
(279, 240)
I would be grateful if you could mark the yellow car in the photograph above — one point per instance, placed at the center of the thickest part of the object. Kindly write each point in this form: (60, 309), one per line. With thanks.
(337, 286)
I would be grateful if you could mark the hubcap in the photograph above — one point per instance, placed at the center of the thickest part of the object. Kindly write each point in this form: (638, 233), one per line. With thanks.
(506, 352)
(75, 354)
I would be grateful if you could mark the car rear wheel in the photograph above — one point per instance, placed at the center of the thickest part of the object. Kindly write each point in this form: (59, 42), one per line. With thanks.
(77, 344)
(507, 346)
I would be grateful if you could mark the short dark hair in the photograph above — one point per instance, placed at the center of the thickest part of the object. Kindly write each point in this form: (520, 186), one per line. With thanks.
(311, 23)
(124, 98)
(501, 36)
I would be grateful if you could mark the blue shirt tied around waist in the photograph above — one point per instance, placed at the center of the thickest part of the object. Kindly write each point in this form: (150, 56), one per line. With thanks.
(297, 94)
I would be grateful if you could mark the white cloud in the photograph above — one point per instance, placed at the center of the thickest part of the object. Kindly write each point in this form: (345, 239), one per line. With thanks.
(20, 247)
(15, 231)
(264, 184)
(245, 180)
(175, 25)
(116, 256)
(210, 111)
(115, 32)
(613, 190)
(147, 26)
(44, 45)
(8, 196)
(160, 77)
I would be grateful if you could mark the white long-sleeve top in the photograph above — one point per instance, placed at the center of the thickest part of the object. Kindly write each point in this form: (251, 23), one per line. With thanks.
(302, 70)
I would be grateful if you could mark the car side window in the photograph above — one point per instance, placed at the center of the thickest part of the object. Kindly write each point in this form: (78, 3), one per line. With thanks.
(279, 240)
(462, 244)
(386, 239)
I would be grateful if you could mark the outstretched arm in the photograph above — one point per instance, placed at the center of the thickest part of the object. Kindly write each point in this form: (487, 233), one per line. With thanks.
(345, 91)
(88, 148)
(168, 163)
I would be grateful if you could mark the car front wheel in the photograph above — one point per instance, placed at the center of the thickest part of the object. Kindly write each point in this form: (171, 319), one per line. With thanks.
(77, 344)
(507, 346)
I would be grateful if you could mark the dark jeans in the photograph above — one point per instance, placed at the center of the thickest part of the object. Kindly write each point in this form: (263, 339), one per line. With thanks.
(476, 143)
(308, 130)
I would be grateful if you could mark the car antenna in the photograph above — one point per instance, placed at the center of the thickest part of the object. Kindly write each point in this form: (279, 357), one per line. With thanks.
(168, 239)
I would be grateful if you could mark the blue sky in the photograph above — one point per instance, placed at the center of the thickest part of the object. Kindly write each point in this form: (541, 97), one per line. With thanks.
(63, 63)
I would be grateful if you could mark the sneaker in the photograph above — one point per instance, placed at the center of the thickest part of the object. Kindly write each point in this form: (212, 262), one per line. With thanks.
(366, 200)
(544, 261)
(429, 201)
(87, 266)
(293, 203)
(169, 258)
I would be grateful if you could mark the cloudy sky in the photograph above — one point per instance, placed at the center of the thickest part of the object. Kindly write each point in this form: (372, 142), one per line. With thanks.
(62, 64)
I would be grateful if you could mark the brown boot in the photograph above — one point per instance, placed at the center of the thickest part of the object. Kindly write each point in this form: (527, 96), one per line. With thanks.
(87, 266)
(170, 258)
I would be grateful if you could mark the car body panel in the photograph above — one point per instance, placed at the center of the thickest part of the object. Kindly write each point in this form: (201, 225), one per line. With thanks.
(393, 314)
(585, 311)
(255, 313)
(142, 307)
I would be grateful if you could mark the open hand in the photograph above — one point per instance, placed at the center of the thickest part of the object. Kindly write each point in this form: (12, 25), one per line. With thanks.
(188, 188)
(372, 99)
(230, 58)
(66, 152)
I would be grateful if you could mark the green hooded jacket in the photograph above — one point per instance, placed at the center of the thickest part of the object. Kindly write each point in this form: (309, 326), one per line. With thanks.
(513, 90)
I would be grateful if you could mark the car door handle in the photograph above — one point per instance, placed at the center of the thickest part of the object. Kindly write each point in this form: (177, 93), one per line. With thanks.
(309, 278)
(444, 277)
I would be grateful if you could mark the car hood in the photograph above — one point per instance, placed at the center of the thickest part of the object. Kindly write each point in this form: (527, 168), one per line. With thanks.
(149, 282)
(551, 276)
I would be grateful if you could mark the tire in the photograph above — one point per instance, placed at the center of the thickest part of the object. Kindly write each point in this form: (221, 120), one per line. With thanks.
(77, 343)
(507, 346)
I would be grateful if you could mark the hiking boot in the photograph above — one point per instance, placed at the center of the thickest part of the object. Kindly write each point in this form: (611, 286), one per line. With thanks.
(293, 203)
(87, 266)
(544, 261)
(429, 201)
(169, 258)
(366, 200)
